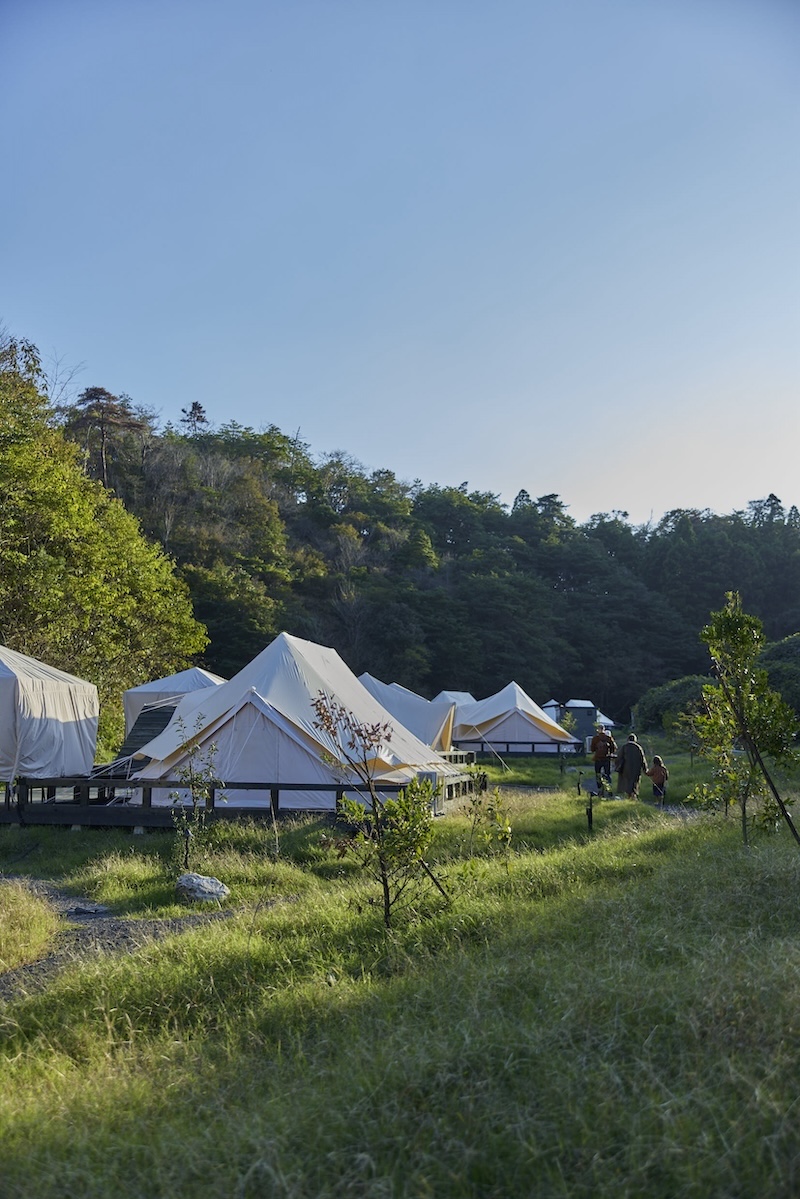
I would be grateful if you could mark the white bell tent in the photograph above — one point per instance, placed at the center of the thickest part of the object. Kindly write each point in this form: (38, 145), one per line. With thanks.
(454, 697)
(431, 721)
(48, 720)
(262, 725)
(510, 722)
(166, 691)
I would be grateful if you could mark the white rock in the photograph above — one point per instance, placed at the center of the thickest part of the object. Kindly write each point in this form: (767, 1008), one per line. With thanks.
(199, 887)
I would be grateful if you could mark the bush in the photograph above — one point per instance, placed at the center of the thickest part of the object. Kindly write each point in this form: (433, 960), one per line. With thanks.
(659, 704)
(782, 664)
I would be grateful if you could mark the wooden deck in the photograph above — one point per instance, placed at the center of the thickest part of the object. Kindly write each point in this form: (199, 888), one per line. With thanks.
(107, 802)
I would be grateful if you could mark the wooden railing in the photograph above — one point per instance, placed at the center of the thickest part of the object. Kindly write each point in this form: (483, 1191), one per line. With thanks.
(489, 746)
(107, 801)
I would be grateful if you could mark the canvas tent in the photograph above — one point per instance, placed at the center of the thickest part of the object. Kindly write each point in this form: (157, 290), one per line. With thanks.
(431, 721)
(510, 722)
(262, 724)
(48, 720)
(165, 691)
(454, 697)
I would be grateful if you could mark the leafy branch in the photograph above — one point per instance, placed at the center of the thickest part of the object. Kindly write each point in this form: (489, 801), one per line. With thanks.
(389, 835)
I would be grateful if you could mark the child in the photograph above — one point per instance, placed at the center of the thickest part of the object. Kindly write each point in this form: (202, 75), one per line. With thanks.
(659, 774)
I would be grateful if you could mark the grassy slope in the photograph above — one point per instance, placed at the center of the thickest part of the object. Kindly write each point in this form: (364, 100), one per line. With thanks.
(614, 1016)
(27, 926)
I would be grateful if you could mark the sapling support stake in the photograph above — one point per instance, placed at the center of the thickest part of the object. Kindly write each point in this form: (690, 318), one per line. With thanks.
(433, 879)
(753, 750)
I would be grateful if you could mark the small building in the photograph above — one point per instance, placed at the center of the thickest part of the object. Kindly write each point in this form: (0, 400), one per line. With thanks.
(586, 716)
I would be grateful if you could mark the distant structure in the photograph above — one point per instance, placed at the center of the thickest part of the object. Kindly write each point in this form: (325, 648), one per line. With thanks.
(587, 715)
(509, 723)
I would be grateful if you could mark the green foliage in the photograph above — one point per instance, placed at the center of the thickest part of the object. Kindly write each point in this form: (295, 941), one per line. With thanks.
(391, 835)
(80, 587)
(589, 1000)
(237, 610)
(430, 586)
(744, 719)
(199, 781)
(390, 840)
(782, 664)
(27, 925)
(489, 822)
(569, 722)
(659, 707)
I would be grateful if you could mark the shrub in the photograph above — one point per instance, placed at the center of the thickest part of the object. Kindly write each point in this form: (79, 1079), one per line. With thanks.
(659, 706)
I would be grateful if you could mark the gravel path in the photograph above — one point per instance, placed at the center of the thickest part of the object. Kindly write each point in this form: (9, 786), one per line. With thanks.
(93, 931)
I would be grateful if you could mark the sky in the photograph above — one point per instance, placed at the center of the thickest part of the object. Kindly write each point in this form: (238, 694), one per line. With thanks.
(539, 244)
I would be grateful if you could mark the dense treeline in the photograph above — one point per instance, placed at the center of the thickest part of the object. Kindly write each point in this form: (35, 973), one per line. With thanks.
(431, 586)
(80, 587)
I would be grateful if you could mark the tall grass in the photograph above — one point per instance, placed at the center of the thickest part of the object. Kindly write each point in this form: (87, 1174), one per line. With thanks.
(27, 925)
(613, 1015)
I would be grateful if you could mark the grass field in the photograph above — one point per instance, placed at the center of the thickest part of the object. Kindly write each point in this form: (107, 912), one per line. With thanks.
(549, 771)
(606, 1015)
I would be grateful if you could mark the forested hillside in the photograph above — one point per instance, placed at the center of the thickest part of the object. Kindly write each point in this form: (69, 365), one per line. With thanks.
(430, 586)
(80, 587)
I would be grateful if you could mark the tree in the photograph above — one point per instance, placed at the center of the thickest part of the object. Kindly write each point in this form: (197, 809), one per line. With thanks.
(238, 612)
(80, 587)
(391, 835)
(456, 520)
(745, 721)
(194, 418)
(416, 552)
(102, 419)
(200, 781)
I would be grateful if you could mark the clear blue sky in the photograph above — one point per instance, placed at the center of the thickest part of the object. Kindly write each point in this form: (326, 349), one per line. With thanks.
(550, 245)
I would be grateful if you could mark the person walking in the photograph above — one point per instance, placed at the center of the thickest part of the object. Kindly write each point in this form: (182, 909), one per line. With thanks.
(659, 775)
(629, 765)
(603, 747)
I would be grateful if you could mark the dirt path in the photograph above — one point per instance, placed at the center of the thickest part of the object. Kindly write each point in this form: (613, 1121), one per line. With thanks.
(93, 931)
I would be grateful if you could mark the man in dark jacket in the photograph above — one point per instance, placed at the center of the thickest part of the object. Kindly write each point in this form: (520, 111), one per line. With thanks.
(603, 748)
(630, 764)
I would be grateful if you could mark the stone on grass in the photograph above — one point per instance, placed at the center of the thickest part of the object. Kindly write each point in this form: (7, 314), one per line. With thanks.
(199, 888)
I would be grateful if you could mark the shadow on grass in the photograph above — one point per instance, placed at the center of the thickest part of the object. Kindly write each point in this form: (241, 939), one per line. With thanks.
(572, 1048)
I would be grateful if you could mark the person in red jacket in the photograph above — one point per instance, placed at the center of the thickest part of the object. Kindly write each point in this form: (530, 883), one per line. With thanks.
(603, 747)
(659, 774)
